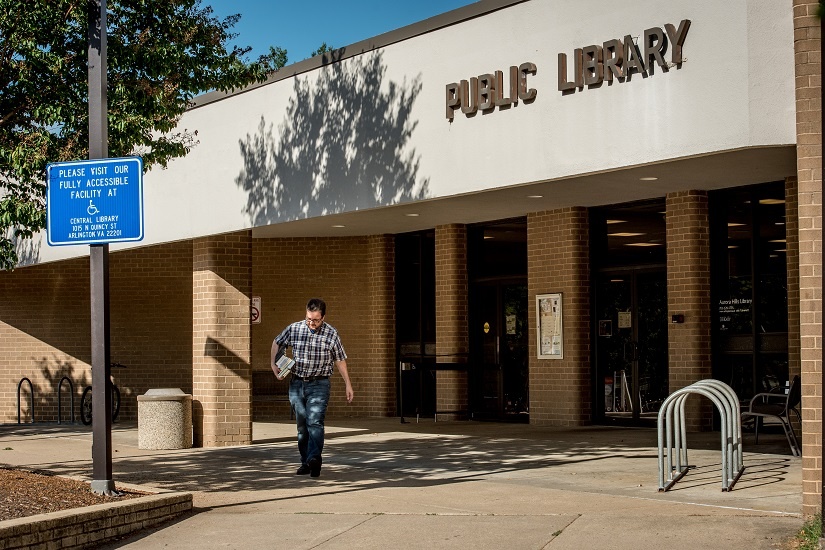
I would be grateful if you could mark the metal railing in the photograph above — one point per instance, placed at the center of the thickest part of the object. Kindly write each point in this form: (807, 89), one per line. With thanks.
(671, 429)
(31, 398)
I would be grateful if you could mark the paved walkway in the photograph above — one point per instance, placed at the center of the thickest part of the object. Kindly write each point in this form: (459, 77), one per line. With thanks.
(444, 485)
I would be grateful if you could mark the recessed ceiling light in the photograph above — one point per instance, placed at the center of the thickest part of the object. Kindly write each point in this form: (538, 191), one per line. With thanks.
(486, 237)
(643, 244)
(778, 241)
(771, 201)
(412, 215)
(735, 224)
(624, 234)
(338, 226)
(733, 246)
(535, 196)
(611, 222)
(648, 178)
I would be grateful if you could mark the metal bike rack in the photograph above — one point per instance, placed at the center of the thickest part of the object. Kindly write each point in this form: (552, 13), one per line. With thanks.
(671, 428)
(31, 398)
(71, 394)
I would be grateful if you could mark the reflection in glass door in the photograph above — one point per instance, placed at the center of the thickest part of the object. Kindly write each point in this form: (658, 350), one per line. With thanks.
(749, 289)
(499, 341)
(631, 344)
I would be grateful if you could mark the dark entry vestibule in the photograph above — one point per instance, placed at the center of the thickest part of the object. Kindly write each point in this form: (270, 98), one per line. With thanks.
(630, 312)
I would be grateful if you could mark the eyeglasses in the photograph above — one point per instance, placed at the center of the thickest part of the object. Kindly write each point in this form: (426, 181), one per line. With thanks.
(315, 321)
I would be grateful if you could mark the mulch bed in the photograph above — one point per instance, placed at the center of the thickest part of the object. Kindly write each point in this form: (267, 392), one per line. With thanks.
(24, 493)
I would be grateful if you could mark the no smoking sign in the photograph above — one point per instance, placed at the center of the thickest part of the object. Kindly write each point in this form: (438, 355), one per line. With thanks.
(255, 310)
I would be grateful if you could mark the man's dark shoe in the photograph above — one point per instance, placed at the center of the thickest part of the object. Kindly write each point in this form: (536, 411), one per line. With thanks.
(303, 470)
(314, 466)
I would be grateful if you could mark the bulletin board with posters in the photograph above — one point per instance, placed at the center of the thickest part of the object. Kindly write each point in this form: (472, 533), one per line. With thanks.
(550, 330)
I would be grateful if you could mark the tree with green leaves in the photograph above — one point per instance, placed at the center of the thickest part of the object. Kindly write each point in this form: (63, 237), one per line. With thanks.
(160, 53)
(323, 48)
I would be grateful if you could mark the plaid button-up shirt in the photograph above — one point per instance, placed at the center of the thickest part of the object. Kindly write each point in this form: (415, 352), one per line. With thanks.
(314, 351)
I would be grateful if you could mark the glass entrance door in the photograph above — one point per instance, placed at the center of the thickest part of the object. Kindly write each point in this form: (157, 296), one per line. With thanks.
(631, 345)
(499, 344)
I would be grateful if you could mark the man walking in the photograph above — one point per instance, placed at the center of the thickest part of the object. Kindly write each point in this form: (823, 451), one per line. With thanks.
(316, 348)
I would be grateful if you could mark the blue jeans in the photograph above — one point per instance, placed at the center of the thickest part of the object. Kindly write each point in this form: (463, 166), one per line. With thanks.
(309, 400)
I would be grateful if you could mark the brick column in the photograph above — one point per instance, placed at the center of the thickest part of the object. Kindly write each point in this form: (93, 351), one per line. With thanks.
(221, 372)
(558, 260)
(688, 293)
(452, 334)
(808, 69)
(378, 369)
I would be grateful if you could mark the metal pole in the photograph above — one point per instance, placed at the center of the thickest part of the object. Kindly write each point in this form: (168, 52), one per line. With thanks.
(99, 264)
(401, 390)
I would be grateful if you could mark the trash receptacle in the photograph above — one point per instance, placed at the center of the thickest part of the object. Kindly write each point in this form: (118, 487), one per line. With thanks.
(165, 419)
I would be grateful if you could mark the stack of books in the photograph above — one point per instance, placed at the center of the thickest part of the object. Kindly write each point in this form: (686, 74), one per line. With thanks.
(285, 365)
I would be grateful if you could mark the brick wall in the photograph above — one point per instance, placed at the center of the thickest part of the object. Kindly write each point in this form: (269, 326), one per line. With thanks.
(221, 362)
(558, 260)
(92, 525)
(44, 335)
(45, 324)
(808, 69)
(151, 320)
(45, 320)
(356, 278)
(688, 293)
(451, 318)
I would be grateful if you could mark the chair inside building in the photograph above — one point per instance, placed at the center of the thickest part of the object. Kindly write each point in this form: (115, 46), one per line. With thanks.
(777, 405)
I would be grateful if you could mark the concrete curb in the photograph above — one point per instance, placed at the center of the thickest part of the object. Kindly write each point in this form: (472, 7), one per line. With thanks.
(92, 525)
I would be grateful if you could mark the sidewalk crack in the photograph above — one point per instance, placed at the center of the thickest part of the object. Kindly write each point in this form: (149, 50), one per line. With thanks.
(556, 534)
(359, 524)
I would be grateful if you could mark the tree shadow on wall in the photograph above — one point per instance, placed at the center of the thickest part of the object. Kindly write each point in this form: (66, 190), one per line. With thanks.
(28, 251)
(343, 146)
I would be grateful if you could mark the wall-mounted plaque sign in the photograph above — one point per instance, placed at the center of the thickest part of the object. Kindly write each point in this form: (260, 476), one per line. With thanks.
(550, 328)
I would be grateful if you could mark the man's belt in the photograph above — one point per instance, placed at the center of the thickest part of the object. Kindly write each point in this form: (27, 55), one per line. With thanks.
(310, 378)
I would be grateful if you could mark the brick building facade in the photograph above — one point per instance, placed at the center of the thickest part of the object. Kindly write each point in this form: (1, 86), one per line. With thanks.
(677, 213)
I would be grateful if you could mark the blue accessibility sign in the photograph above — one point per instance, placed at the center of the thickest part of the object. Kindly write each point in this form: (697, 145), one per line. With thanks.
(94, 201)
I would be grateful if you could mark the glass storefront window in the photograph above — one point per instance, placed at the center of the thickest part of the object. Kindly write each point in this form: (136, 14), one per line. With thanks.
(749, 287)
(415, 321)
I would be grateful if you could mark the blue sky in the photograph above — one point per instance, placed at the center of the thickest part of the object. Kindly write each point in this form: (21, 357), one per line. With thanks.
(301, 27)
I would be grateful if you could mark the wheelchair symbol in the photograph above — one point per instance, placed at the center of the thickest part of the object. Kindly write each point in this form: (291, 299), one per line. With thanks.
(92, 209)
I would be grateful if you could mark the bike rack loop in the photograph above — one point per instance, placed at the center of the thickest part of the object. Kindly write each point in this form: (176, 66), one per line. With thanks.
(31, 398)
(674, 406)
(734, 419)
(734, 427)
(71, 394)
(672, 411)
(726, 400)
(731, 447)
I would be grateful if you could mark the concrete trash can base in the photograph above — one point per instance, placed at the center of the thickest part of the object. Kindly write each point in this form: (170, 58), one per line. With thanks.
(165, 419)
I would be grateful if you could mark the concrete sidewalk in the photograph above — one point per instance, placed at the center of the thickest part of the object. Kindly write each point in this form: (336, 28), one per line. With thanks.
(444, 485)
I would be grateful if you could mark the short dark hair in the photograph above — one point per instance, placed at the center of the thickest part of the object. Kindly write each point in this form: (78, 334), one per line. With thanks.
(317, 304)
